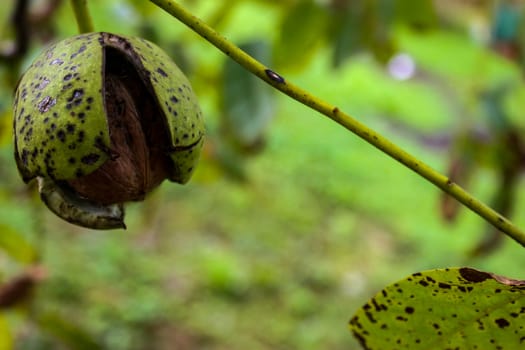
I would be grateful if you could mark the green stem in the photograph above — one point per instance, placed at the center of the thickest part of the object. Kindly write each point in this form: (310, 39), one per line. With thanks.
(84, 23)
(343, 119)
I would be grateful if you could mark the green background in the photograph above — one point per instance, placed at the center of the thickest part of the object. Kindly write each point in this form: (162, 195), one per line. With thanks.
(274, 247)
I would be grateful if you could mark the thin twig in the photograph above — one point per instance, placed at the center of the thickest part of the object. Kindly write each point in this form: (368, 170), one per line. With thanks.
(334, 113)
(84, 23)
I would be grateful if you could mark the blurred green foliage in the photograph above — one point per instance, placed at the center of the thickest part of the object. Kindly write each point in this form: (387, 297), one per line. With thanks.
(290, 223)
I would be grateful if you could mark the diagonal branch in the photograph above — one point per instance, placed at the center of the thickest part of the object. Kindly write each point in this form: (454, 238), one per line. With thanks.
(345, 120)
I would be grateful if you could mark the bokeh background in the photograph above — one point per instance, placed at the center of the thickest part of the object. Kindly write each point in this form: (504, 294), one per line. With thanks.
(290, 223)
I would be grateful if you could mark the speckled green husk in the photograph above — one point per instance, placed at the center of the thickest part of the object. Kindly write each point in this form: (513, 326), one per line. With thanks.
(60, 125)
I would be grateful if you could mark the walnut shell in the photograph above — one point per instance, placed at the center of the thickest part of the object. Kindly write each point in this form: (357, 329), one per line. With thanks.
(107, 118)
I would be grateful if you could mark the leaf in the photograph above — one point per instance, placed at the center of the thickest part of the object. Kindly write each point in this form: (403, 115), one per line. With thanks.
(230, 162)
(418, 14)
(302, 29)
(247, 103)
(460, 170)
(506, 22)
(6, 127)
(350, 25)
(16, 245)
(19, 289)
(362, 26)
(6, 337)
(460, 308)
(67, 332)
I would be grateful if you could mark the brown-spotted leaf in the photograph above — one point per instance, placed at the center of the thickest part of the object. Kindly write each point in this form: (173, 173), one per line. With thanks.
(457, 308)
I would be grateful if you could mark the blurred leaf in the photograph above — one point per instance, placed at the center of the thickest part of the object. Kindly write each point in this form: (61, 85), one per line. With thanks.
(6, 128)
(363, 26)
(493, 108)
(419, 14)
(460, 170)
(222, 13)
(458, 308)
(223, 273)
(507, 20)
(247, 103)
(6, 338)
(473, 65)
(349, 25)
(19, 289)
(379, 39)
(507, 160)
(230, 162)
(303, 27)
(508, 167)
(67, 332)
(145, 8)
(14, 244)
